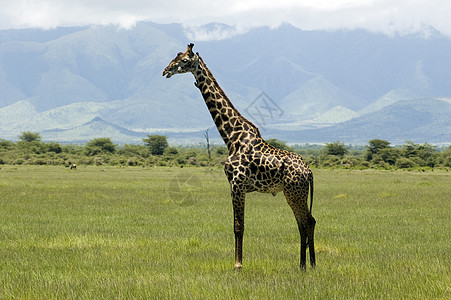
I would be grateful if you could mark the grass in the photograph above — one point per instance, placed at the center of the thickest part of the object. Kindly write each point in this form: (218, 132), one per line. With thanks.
(168, 233)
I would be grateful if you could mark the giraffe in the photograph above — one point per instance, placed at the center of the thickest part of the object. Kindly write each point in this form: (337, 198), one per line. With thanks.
(252, 164)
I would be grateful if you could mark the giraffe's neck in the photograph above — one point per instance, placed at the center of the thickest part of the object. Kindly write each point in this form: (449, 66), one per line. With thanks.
(234, 129)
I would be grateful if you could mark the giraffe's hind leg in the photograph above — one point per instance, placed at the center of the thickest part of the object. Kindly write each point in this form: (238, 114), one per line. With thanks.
(306, 224)
(310, 238)
(303, 234)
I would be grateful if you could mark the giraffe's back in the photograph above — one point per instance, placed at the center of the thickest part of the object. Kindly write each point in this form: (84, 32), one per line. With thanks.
(266, 168)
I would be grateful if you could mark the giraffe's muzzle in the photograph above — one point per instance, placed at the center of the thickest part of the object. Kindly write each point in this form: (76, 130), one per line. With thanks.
(167, 73)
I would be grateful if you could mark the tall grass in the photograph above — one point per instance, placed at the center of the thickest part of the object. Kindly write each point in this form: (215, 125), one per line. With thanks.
(168, 233)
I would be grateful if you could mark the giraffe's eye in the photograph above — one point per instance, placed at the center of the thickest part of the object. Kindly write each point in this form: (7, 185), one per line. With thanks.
(185, 60)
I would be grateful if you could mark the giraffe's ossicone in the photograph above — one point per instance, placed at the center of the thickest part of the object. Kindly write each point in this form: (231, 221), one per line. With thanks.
(252, 164)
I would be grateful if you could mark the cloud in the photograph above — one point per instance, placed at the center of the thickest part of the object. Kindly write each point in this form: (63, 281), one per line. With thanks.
(212, 31)
(386, 16)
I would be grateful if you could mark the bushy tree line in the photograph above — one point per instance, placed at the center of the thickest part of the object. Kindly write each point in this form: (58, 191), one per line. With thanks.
(379, 154)
(155, 151)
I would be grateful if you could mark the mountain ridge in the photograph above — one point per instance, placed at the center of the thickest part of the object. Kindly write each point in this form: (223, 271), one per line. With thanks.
(421, 117)
(63, 78)
(91, 130)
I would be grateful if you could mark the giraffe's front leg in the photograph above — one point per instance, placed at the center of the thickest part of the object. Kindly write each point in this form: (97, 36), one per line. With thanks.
(238, 200)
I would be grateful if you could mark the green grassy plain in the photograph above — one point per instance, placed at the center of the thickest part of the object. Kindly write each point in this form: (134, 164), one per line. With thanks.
(136, 233)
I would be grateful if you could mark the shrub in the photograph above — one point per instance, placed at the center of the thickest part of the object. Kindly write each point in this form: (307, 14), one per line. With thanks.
(54, 147)
(190, 153)
(171, 151)
(447, 162)
(97, 161)
(18, 161)
(134, 150)
(405, 163)
(346, 162)
(221, 161)
(221, 150)
(203, 163)
(331, 161)
(192, 161)
(365, 164)
(181, 160)
(6, 144)
(162, 163)
(39, 161)
(310, 160)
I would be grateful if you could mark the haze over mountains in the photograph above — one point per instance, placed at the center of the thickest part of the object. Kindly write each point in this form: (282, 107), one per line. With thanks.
(75, 84)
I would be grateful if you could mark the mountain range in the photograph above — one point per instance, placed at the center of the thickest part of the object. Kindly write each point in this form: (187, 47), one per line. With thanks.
(74, 84)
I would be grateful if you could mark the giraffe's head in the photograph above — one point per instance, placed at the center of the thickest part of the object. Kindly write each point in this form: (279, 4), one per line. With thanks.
(182, 63)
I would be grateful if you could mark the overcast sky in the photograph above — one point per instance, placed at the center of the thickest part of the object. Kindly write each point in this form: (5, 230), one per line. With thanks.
(403, 16)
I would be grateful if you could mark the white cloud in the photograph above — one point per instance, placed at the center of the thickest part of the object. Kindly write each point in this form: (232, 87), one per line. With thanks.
(214, 32)
(376, 15)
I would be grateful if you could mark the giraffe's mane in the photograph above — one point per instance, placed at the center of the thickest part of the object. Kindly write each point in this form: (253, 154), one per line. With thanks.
(221, 91)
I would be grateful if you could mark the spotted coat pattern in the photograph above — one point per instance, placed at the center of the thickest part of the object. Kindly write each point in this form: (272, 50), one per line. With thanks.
(252, 164)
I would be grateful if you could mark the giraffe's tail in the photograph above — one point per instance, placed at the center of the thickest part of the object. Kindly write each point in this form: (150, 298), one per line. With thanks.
(310, 180)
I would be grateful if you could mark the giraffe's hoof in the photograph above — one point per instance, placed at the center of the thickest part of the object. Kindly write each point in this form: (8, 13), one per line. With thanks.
(237, 266)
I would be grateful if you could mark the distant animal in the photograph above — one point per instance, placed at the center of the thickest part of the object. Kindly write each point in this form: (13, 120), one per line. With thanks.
(73, 166)
(253, 164)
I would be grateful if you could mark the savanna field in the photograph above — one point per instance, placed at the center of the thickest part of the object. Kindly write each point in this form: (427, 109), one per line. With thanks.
(167, 233)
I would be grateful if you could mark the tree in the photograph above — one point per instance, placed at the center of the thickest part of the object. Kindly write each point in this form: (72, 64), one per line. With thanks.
(207, 138)
(6, 144)
(446, 157)
(28, 136)
(30, 142)
(100, 145)
(336, 148)
(389, 155)
(404, 163)
(424, 155)
(54, 147)
(374, 146)
(134, 150)
(279, 144)
(156, 143)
